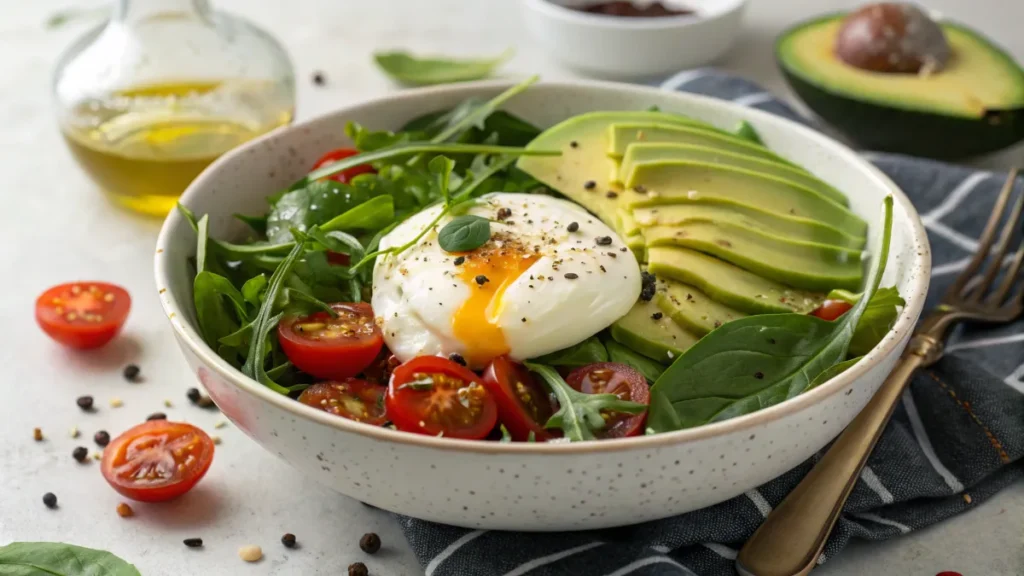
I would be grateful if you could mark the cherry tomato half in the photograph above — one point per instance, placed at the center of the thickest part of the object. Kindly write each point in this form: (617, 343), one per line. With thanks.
(345, 175)
(354, 399)
(83, 314)
(157, 460)
(433, 395)
(621, 380)
(524, 405)
(332, 348)
(379, 371)
(831, 309)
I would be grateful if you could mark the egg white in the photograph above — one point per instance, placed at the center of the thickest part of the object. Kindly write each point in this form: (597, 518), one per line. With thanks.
(417, 293)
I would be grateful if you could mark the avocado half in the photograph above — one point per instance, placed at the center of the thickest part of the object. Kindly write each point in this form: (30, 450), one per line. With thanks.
(973, 106)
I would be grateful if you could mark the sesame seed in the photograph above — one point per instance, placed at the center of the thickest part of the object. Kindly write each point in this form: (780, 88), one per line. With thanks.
(73, 432)
(250, 553)
(116, 403)
(220, 424)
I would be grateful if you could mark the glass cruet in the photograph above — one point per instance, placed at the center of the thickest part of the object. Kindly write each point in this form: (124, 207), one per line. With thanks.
(150, 98)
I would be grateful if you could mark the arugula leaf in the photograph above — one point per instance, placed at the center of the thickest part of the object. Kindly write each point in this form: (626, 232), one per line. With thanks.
(220, 307)
(877, 320)
(59, 559)
(315, 204)
(373, 214)
(441, 169)
(476, 114)
(416, 71)
(506, 128)
(758, 361)
(590, 351)
(257, 223)
(464, 233)
(644, 365)
(253, 288)
(579, 414)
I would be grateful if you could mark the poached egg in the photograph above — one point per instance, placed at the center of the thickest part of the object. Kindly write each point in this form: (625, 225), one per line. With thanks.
(550, 276)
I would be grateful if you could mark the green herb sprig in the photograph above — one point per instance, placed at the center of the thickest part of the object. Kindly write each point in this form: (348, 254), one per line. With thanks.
(579, 414)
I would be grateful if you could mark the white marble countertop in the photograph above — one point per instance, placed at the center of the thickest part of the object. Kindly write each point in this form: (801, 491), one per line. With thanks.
(57, 227)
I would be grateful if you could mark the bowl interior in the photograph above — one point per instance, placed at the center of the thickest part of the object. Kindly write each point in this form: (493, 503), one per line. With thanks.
(240, 181)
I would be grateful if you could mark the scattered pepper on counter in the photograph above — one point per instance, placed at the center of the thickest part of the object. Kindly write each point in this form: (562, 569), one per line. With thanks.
(370, 543)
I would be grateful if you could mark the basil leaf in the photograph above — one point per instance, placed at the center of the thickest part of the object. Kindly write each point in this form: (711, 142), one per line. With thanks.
(415, 71)
(579, 414)
(590, 351)
(757, 361)
(642, 364)
(59, 559)
(464, 233)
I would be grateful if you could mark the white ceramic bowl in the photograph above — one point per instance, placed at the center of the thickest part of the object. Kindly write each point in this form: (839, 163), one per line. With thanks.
(533, 486)
(616, 47)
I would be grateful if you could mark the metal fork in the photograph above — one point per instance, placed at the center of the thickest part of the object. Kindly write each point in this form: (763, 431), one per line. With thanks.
(792, 537)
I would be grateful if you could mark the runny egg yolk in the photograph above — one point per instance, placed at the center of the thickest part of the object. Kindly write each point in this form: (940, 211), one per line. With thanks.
(487, 271)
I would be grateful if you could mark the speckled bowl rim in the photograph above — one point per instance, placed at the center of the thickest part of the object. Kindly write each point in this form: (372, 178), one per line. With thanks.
(556, 11)
(921, 261)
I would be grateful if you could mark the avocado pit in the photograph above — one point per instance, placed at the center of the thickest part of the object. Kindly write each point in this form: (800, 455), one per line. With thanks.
(892, 38)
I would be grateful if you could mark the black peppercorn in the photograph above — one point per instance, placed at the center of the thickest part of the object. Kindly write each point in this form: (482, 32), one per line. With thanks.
(50, 499)
(574, 144)
(604, 240)
(504, 213)
(318, 78)
(358, 569)
(656, 316)
(589, 185)
(205, 402)
(611, 194)
(193, 542)
(80, 453)
(573, 226)
(370, 543)
(101, 438)
(193, 394)
(759, 375)
(457, 358)
(460, 260)
(648, 284)
(156, 416)
(639, 188)
(288, 540)
(84, 402)
(481, 279)
(571, 275)
(131, 372)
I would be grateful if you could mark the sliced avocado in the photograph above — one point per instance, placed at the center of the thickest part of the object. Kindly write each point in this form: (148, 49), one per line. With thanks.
(638, 244)
(622, 134)
(974, 105)
(583, 140)
(642, 153)
(680, 181)
(747, 132)
(729, 284)
(691, 308)
(770, 222)
(800, 264)
(647, 330)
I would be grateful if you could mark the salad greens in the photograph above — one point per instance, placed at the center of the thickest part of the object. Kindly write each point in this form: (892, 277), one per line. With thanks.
(878, 318)
(464, 233)
(757, 361)
(59, 559)
(579, 414)
(419, 71)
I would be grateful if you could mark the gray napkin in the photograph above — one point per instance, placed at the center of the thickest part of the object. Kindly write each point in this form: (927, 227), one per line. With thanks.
(955, 439)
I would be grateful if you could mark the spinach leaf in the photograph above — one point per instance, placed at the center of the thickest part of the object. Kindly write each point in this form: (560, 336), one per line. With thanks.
(59, 559)
(415, 71)
(579, 414)
(644, 365)
(758, 361)
(220, 307)
(253, 288)
(373, 214)
(833, 372)
(464, 233)
(314, 204)
(589, 351)
(257, 223)
(746, 131)
(878, 318)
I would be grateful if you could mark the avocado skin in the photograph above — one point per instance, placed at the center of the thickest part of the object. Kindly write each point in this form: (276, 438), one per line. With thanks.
(884, 129)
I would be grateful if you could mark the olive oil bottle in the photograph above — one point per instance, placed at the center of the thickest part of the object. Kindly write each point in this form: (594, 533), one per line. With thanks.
(151, 98)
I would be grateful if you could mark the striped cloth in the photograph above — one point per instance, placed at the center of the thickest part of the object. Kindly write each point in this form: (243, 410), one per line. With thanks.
(955, 439)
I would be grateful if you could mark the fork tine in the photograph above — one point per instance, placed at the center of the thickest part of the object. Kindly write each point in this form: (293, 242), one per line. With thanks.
(1011, 277)
(985, 242)
(1005, 237)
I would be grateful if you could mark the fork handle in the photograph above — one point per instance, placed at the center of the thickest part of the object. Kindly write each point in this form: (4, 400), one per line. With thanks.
(790, 540)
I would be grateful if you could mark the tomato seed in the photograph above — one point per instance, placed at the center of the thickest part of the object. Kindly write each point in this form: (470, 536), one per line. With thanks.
(50, 500)
(193, 542)
(84, 402)
(37, 434)
(80, 453)
(358, 569)
(288, 540)
(369, 543)
(125, 511)
(131, 373)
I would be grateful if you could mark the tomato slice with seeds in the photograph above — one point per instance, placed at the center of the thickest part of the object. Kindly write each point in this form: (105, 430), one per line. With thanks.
(621, 380)
(524, 405)
(345, 175)
(831, 309)
(354, 399)
(432, 395)
(157, 460)
(83, 314)
(332, 348)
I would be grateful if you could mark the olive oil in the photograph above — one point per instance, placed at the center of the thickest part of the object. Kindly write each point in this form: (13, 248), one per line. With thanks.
(144, 146)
